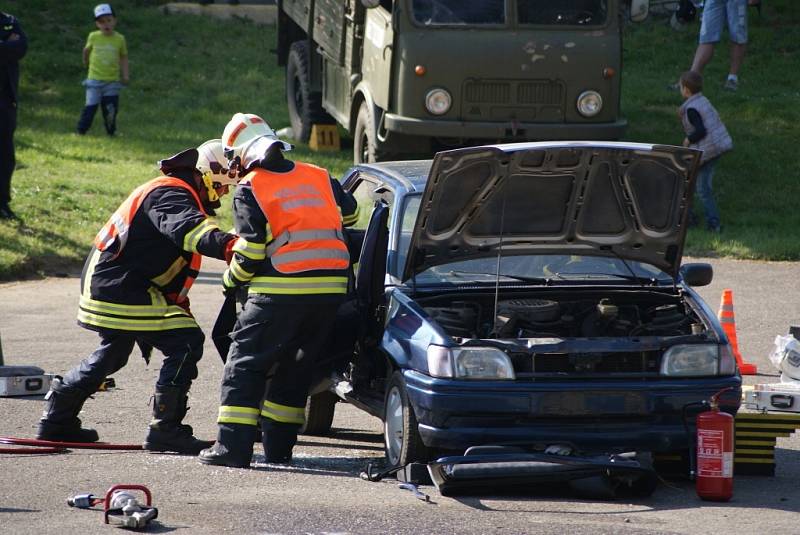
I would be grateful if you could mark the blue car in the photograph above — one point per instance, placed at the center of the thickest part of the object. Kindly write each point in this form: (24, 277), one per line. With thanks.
(528, 295)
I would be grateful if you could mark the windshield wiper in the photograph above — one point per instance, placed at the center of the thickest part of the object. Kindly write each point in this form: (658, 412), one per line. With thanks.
(523, 278)
(595, 275)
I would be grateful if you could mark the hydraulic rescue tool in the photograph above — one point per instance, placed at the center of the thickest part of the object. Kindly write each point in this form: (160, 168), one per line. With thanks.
(120, 506)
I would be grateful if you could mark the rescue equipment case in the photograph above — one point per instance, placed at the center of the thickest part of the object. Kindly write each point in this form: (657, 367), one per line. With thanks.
(783, 397)
(23, 381)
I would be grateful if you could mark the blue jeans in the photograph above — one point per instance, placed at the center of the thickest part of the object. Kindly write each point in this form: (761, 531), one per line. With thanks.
(704, 177)
(97, 89)
(104, 95)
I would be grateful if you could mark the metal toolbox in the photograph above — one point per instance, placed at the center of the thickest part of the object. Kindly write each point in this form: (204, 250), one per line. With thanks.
(782, 397)
(23, 381)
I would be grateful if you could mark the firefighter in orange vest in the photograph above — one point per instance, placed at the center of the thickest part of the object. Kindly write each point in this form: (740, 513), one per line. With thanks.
(133, 291)
(291, 251)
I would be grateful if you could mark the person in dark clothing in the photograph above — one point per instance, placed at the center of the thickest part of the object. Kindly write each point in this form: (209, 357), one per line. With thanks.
(291, 252)
(134, 289)
(13, 45)
(704, 131)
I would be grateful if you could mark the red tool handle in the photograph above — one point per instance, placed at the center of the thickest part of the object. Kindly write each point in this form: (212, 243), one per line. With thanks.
(123, 486)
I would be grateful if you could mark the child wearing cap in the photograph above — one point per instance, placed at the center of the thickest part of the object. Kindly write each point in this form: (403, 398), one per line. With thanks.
(106, 55)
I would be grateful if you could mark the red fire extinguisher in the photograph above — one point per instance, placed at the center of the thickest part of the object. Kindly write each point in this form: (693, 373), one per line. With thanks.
(715, 453)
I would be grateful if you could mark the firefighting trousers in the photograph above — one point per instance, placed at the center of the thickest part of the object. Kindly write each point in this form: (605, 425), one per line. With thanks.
(182, 349)
(281, 340)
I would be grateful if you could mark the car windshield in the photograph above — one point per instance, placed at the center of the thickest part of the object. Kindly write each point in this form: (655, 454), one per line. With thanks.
(458, 12)
(562, 12)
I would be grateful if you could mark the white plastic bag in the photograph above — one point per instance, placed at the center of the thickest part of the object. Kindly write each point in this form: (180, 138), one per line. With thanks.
(786, 357)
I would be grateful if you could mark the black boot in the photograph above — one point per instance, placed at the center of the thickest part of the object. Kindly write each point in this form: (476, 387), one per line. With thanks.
(219, 455)
(60, 420)
(167, 433)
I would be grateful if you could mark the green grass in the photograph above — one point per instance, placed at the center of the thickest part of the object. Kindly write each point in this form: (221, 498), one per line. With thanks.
(190, 74)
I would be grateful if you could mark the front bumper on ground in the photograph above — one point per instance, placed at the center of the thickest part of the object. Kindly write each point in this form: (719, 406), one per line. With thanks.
(591, 415)
(504, 130)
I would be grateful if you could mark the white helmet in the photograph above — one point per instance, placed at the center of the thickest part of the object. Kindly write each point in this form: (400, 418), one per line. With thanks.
(212, 164)
(242, 129)
(257, 149)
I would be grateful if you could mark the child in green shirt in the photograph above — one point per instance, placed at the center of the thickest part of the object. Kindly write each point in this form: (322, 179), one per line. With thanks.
(106, 55)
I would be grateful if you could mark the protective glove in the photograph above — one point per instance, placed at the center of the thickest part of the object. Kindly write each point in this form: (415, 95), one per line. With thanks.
(229, 250)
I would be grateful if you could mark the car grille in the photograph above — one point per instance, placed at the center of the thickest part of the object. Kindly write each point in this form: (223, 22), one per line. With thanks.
(518, 100)
(561, 366)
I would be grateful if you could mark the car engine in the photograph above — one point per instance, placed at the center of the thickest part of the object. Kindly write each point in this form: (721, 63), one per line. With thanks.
(536, 317)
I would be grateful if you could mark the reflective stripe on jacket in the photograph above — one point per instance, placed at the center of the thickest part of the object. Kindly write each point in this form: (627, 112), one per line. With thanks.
(303, 217)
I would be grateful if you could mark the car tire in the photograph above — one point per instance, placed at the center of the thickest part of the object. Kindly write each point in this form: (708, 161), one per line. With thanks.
(320, 409)
(365, 140)
(401, 439)
(304, 105)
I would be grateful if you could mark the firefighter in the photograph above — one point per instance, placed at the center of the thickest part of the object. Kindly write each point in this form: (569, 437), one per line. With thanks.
(134, 289)
(291, 252)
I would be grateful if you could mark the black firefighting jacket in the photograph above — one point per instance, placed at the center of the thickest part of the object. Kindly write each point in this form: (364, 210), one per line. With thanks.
(133, 291)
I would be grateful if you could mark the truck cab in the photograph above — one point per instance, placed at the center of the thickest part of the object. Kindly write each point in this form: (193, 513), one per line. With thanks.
(415, 76)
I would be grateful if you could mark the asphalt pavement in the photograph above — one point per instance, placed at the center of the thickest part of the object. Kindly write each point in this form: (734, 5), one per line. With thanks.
(321, 492)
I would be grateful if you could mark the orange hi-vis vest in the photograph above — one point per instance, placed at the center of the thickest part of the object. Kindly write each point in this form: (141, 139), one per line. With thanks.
(118, 226)
(303, 218)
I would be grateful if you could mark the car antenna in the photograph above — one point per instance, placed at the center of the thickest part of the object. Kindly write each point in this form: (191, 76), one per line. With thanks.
(499, 256)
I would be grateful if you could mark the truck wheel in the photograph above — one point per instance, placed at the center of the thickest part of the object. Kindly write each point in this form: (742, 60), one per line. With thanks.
(364, 138)
(401, 437)
(319, 414)
(305, 105)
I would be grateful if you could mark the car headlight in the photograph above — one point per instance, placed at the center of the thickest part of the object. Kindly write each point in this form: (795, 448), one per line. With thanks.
(438, 101)
(589, 103)
(697, 360)
(469, 363)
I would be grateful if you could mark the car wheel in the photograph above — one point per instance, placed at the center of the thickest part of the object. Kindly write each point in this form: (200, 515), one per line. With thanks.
(401, 437)
(305, 105)
(364, 138)
(319, 414)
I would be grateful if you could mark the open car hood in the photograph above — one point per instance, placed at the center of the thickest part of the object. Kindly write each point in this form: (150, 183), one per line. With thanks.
(623, 200)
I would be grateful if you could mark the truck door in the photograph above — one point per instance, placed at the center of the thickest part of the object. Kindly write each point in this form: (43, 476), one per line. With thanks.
(377, 57)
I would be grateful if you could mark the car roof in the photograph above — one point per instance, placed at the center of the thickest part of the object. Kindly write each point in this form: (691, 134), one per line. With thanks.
(411, 175)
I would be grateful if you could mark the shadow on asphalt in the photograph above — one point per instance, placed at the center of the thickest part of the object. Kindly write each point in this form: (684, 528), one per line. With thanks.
(311, 443)
(358, 436)
(313, 465)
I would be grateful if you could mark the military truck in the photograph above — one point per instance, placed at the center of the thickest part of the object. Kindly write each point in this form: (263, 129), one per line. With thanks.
(414, 76)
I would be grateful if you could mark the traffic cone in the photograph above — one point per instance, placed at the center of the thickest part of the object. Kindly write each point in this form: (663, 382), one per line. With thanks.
(728, 322)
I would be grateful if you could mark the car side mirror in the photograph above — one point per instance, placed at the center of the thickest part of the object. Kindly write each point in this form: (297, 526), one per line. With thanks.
(639, 10)
(699, 274)
(369, 4)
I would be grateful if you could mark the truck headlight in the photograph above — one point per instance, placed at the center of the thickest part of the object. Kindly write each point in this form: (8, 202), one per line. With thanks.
(696, 360)
(589, 103)
(469, 363)
(438, 101)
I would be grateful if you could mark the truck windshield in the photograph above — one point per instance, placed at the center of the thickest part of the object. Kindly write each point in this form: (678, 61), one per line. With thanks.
(562, 12)
(459, 12)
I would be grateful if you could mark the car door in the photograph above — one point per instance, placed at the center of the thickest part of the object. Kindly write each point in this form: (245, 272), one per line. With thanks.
(371, 274)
